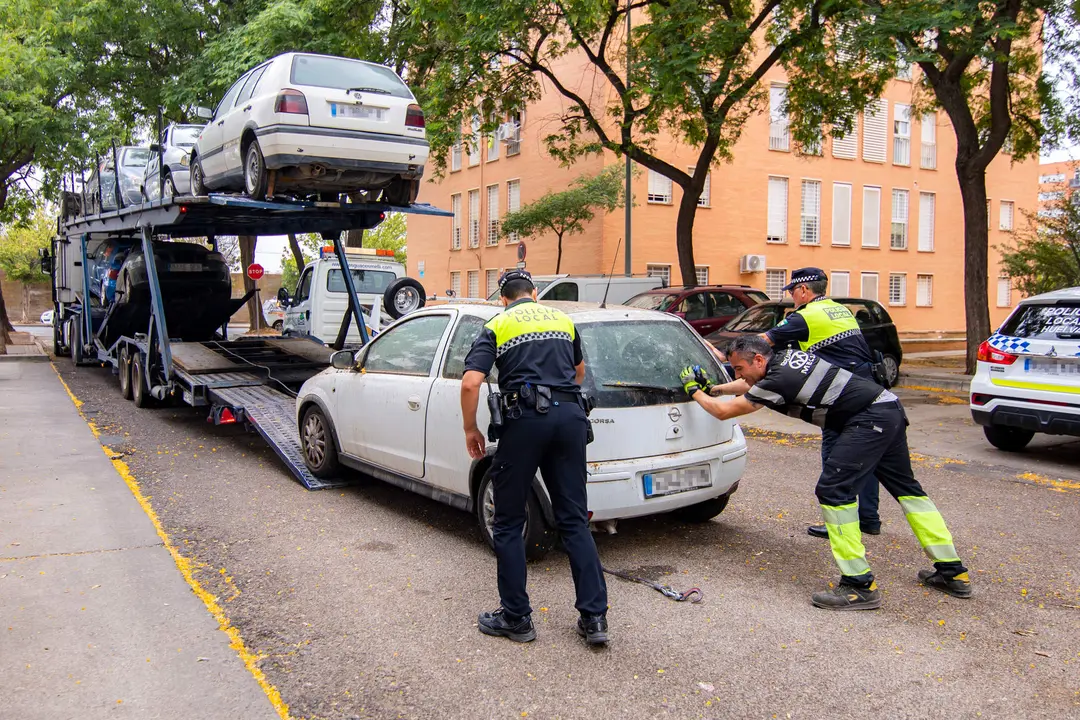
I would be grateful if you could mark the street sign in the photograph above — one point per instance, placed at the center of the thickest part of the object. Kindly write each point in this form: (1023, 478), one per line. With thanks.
(255, 271)
(521, 265)
(521, 251)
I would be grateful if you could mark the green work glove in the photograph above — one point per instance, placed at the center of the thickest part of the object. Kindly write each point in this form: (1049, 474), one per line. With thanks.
(703, 379)
(689, 380)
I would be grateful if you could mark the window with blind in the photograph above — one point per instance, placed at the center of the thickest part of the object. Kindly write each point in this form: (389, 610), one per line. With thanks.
(702, 274)
(810, 228)
(455, 156)
(455, 231)
(897, 288)
(927, 213)
(779, 137)
(492, 141)
(513, 203)
(491, 282)
(847, 147)
(924, 290)
(869, 289)
(777, 212)
(659, 188)
(1004, 291)
(474, 283)
(474, 218)
(660, 271)
(475, 141)
(871, 217)
(928, 153)
(705, 200)
(1006, 215)
(898, 232)
(775, 280)
(493, 214)
(841, 214)
(513, 143)
(840, 283)
(901, 134)
(455, 282)
(875, 131)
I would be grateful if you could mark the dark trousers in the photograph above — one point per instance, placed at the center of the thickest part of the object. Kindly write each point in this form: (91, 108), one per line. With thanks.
(868, 494)
(554, 443)
(875, 442)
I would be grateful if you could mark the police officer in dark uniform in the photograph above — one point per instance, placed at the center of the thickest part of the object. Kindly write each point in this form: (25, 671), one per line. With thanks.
(537, 351)
(870, 429)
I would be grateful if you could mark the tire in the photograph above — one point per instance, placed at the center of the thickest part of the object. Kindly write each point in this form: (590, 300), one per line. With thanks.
(168, 189)
(255, 176)
(540, 538)
(403, 296)
(59, 350)
(401, 192)
(198, 179)
(1009, 439)
(76, 336)
(126, 389)
(704, 511)
(278, 324)
(140, 393)
(317, 443)
(892, 370)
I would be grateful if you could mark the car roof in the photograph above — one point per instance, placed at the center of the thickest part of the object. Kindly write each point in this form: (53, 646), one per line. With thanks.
(295, 53)
(1072, 293)
(674, 289)
(789, 303)
(579, 311)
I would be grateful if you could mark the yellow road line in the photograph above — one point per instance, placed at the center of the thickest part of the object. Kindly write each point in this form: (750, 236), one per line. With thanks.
(185, 565)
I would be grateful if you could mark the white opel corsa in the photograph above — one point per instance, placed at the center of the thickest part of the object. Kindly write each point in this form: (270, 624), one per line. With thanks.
(394, 412)
(315, 123)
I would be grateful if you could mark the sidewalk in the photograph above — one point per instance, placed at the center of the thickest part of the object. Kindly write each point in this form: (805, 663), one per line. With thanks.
(96, 620)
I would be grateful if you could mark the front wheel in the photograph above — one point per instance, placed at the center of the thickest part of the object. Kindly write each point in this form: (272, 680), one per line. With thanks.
(255, 177)
(539, 536)
(168, 189)
(278, 324)
(75, 335)
(126, 390)
(198, 179)
(1009, 439)
(703, 511)
(140, 390)
(59, 349)
(317, 442)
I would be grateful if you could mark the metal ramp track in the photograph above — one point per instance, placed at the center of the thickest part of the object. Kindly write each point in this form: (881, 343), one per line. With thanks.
(272, 413)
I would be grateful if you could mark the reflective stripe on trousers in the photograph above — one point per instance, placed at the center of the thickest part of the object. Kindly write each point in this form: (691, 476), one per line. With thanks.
(845, 538)
(929, 527)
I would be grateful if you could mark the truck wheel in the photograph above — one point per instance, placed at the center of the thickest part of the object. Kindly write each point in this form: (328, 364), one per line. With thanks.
(198, 180)
(401, 192)
(125, 374)
(255, 177)
(1009, 439)
(317, 441)
(703, 511)
(75, 335)
(403, 296)
(140, 392)
(59, 350)
(539, 536)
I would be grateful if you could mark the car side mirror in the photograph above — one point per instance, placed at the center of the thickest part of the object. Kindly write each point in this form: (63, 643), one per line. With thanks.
(204, 113)
(343, 360)
(155, 147)
(283, 297)
(450, 293)
(46, 261)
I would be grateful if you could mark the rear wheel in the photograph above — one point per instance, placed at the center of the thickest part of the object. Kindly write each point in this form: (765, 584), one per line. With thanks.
(140, 391)
(168, 189)
(278, 324)
(401, 192)
(539, 536)
(892, 370)
(703, 511)
(1009, 439)
(125, 374)
(75, 334)
(59, 349)
(255, 178)
(198, 180)
(317, 442)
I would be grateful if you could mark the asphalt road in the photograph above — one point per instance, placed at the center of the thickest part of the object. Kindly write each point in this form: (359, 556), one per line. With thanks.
(363, 601)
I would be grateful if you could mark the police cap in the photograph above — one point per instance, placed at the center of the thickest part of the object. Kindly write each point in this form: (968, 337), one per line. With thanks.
(515, 274)
(805, 275)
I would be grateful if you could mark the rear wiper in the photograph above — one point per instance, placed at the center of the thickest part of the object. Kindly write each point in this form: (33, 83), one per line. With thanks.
(638, 386)
(380, 91)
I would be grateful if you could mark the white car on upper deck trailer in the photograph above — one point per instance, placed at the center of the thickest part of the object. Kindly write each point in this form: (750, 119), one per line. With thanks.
(394, 411)
(314, 123)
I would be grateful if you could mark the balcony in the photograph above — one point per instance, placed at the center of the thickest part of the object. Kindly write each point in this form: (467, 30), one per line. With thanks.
(779, 138)
(901, 151)
(928, 156)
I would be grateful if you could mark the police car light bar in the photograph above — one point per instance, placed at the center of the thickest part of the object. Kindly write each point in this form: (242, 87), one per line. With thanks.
(328, 251)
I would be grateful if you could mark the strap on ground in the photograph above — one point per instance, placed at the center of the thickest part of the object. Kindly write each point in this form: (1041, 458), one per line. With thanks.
(694, 595)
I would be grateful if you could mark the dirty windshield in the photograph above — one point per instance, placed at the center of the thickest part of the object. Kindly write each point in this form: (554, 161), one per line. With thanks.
(636, 363)
(652, 301)
(1045, 322)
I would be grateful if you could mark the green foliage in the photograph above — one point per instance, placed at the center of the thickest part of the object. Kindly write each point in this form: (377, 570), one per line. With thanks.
(19, 245)
(1047, 256)
(391, 234)
(309, 248)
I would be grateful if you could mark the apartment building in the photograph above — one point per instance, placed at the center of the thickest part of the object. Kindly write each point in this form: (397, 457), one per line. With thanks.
(1056, 181)
(879, 210)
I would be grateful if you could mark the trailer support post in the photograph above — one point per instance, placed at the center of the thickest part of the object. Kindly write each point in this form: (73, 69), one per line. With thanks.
(157, 307)
(87, 318)
(354, 299)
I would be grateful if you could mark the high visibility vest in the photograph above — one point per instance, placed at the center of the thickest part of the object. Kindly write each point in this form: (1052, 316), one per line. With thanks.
(828, 322)
(530, 322)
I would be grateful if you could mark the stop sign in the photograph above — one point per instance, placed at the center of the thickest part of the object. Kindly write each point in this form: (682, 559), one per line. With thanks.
(255, 271)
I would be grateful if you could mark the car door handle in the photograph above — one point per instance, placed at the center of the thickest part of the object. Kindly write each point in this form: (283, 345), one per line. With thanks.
(221, 122)
(247, 108)
(414, 403)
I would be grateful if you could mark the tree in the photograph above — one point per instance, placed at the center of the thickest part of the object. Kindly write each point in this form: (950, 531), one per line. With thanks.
(696, 74)
(983, 64)
(1047, 255)
(566, 212)
(390, 234)
(19, 258)
(308, 246)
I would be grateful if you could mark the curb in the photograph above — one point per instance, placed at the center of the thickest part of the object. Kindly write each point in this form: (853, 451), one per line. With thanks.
(24, 358)
(934, 382)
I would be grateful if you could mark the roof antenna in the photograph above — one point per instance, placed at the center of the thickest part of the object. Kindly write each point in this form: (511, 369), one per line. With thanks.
(603, 303)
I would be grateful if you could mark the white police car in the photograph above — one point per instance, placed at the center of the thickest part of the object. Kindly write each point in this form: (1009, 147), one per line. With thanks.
(1028, 378)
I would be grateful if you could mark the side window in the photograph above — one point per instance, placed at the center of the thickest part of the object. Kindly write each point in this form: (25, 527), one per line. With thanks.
(879, 313)
(227, 101)
(409, 348)
(862, 313)
(694, 306)
(566, 292)
(724, 304)
(465, 334)
(303, 288)
(249, 86)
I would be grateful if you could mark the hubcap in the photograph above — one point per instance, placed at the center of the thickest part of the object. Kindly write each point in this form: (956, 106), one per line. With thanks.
(314, 439)
(167, 188)
(891, 370)
(488, 504)
(254, 169)
(406, 300)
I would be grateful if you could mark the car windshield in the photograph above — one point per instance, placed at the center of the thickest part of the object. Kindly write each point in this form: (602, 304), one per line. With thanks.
(366, 281)
(186, 135)
(637, 362)
(652, 301)
(1044, 322)
(345, 74)
(538, 284)
(757, 296)
(755, 319)
(136, 157)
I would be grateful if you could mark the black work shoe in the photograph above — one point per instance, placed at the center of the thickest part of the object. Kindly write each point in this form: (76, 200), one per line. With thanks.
(593, 628)
(820, 531)
(847, 597)
(498, 624)
(959, 586)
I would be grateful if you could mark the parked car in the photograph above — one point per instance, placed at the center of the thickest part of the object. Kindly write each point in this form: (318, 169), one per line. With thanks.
(132, 161)
(876, 325)
(105, 264)
(705, 307)
(274, 313)
(655, 450)
(589, 288)
(1028, 375)
(47, 317)
(174, 153)
(323, 124)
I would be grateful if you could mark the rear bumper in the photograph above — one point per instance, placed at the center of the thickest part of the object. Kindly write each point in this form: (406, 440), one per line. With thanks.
(1052, 413)
(342, 150)
(617, 490)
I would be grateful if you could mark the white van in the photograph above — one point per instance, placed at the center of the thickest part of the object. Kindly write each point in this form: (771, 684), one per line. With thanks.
(321, 299)
(589, 288)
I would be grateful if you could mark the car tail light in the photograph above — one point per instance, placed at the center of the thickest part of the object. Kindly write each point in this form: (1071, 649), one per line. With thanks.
(291, 101)
(414, 117)
(980, 398)
(992, 355)
(113, 274)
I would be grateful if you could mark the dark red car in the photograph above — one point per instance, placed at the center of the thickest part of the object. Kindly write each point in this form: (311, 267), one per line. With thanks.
(706, 307)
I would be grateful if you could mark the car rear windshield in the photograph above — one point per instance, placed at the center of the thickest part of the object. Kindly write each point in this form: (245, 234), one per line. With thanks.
(367, 282)
(345, 74)
(136, 157)
(185, 136)
(757, 296)
(635, 362)
(538, 284)
(756, 319)
(652, 301)
(1045, 322)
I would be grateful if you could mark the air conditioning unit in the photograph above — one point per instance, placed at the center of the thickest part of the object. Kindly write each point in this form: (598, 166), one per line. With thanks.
(508, 132)
(752, 264)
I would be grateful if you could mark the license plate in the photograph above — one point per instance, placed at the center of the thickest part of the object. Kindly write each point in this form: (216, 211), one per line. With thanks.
(185, 267)
(1051, 366)
(675, 481)
(363, 112)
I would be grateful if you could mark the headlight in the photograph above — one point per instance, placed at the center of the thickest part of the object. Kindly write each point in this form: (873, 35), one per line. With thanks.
(185, 160)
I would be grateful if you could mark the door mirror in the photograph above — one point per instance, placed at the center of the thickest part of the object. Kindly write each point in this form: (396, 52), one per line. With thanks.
(343, 360)
(155, 147)
(283, 297)
(46, 261)
(204, 113)
(450, 293)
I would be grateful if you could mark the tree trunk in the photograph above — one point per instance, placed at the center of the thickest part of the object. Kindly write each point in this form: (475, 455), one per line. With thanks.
(684, 236)
(354, 238)
(5, 326)
(25, 303)
(976, 261)
(247, 256)
(297, 253)
(558, 257)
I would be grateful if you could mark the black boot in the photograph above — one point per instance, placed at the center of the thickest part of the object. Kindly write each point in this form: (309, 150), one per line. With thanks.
(500, 625)
(593, 628)
(958, 586)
